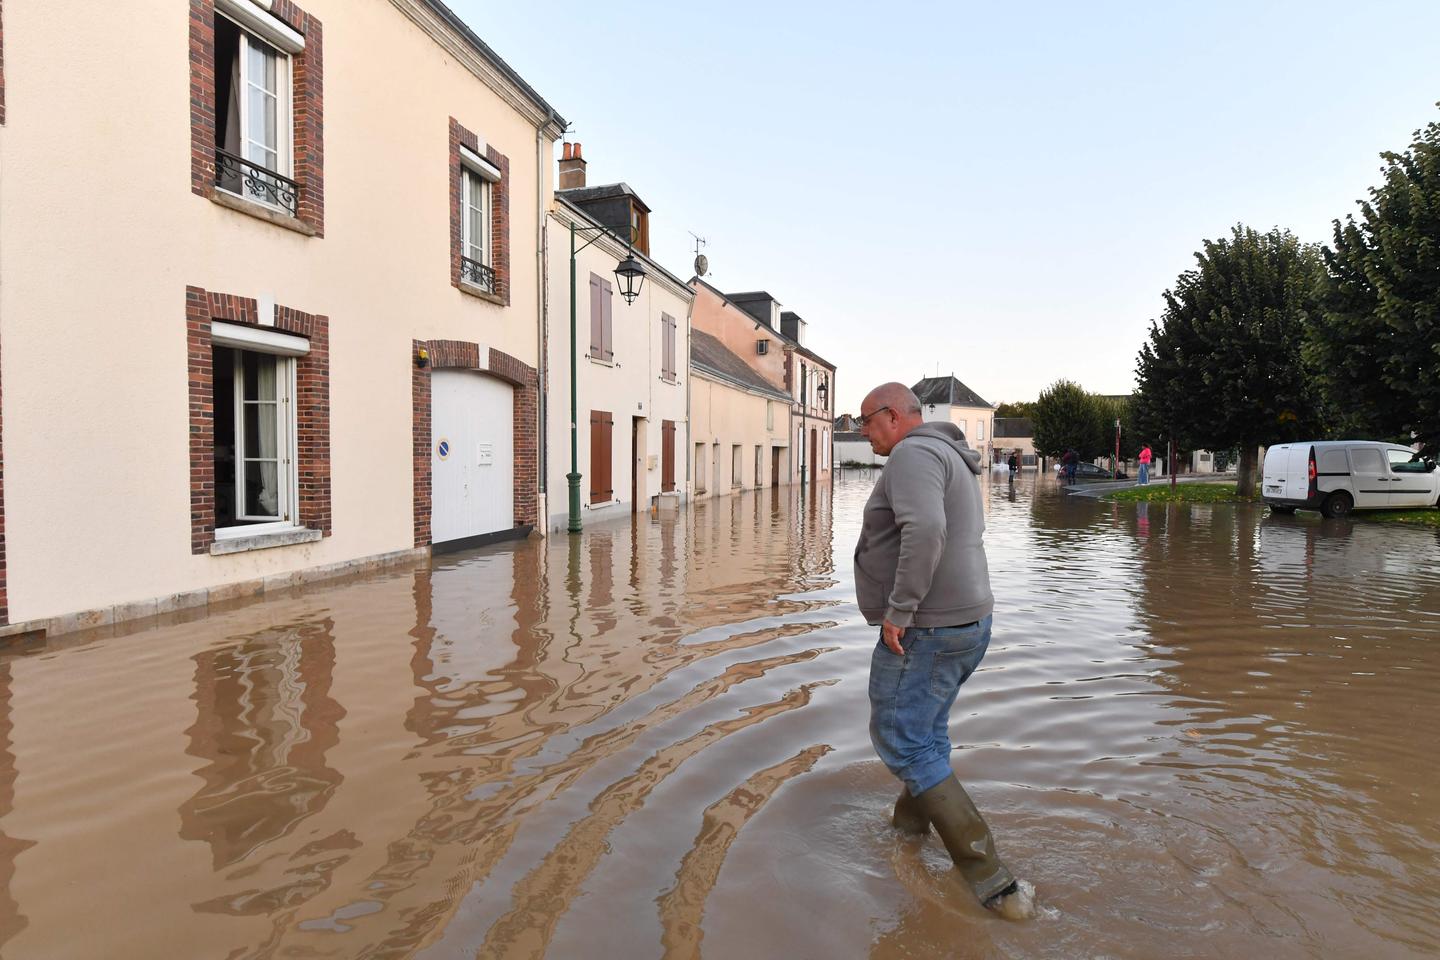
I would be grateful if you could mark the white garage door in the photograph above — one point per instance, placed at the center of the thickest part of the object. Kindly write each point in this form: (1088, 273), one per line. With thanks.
(471, 455)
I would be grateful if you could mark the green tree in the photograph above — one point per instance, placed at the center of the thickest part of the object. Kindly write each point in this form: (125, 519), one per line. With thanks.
(1223, 367)
(1065, 416)
(1020, 408)
(1375, 345)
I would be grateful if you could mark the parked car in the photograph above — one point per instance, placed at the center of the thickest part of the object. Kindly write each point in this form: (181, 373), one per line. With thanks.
(1336, 476)
(1088, 471)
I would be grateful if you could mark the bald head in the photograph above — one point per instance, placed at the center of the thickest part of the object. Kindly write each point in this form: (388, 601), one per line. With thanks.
(896, 396)
(889, 412)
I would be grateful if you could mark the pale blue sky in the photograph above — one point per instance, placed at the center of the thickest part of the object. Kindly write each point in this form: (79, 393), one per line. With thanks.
(999, 190)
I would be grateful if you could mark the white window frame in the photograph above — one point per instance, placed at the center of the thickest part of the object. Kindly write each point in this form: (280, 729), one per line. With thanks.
(285, 348)
(470, 182)
(284, 97)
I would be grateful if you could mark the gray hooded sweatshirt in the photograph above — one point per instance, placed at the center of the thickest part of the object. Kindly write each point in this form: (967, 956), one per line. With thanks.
(920, 560)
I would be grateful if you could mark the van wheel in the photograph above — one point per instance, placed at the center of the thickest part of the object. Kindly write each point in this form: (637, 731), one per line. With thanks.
(1277, 508)
(1337, 505)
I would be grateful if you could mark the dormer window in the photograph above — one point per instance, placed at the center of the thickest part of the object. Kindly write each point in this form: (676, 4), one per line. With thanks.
(640, 228)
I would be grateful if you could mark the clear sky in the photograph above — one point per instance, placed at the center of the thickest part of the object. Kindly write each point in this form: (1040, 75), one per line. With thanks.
(999, 191)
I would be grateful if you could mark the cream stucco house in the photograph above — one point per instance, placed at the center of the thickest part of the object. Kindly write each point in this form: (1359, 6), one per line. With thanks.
(268, 311)
(945, 398)
(771, 342)
(739, 423)
(631, 359)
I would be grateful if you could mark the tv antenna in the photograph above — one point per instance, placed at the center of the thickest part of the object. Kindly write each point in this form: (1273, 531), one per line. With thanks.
(702, 262)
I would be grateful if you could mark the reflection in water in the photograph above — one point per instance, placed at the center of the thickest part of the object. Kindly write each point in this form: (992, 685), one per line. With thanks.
(265, 722)
(12, 921)
(1199, 729)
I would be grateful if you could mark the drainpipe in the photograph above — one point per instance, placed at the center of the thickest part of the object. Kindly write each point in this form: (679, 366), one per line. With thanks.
(542, 289)
(689, 378)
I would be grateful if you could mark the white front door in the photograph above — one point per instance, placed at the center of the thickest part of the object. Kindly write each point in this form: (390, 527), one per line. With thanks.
(472, 480)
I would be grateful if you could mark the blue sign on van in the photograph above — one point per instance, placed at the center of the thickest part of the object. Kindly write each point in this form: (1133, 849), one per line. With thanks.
(443, 449)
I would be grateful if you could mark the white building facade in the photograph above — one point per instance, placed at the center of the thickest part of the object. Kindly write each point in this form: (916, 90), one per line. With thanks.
(632, 377)
(300, 331)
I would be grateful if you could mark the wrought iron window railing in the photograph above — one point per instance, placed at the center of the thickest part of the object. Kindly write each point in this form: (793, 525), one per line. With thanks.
(238, 175)
(473, 271)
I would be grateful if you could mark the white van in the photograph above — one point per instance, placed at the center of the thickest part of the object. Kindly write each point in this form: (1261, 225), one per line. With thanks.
(1335, 476)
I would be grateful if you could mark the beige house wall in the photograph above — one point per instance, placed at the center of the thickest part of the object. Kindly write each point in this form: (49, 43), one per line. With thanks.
(721, 416)
(740, 332)
(968, 419)
(629, 386)
(101, 234)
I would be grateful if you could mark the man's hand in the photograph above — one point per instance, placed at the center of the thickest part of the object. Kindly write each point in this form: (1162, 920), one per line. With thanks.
(891, 635)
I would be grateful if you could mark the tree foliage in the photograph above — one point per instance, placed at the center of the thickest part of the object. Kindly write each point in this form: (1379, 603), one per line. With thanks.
(1066, 416)
(1375, 343)
(1020, 408)
(1222, 367)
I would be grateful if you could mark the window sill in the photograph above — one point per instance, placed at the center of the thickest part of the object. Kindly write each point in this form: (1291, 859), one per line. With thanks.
(673, 381)
(263, 541)
(601, 362)
(261, 212)
(479, 292)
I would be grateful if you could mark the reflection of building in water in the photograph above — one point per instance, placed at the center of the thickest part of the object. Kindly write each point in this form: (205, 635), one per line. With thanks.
(12, 921)
(266, 720)
(516, 651)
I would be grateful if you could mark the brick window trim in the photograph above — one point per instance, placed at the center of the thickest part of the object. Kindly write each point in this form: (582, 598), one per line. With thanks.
(499, 212)
(307, 108)
(464, 355)
(312, 408)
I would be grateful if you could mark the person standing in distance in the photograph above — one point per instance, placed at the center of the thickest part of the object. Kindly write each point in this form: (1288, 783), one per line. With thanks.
(1145, 457)
(921, 576)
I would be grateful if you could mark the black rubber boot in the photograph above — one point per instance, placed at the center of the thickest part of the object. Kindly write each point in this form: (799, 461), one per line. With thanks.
(963, 831)
(908, 817)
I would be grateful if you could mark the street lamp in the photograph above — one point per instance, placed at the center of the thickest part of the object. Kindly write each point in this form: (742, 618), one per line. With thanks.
(630, 274)
(823, 392)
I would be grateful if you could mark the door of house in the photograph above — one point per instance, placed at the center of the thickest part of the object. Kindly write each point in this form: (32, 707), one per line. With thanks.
(667, 455)
(775, 466)
(637, 462)
(472, 473)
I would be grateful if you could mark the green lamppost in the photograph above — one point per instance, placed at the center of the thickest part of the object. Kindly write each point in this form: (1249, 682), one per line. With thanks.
(631, 276)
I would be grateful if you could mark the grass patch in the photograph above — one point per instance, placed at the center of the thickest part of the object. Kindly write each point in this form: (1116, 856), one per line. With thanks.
(1223, 492)
(1415, 518)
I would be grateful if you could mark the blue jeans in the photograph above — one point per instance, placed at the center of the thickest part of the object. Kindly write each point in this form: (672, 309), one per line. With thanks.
(1144, 473)
(911, 696)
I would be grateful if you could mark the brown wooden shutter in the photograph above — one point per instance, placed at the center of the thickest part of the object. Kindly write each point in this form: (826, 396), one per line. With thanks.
(601, 425)
(597, 317)
(667, 455)
(607, 344)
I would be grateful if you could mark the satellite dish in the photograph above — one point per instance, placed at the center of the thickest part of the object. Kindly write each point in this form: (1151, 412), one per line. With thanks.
(702, 265)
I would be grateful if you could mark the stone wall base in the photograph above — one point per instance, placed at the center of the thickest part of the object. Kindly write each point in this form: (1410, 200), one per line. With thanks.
(197, 601)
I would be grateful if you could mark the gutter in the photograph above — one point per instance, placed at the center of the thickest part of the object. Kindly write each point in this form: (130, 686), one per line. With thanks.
(542, 332)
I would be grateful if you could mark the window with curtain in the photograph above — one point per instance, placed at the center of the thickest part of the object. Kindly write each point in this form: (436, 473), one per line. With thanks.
(254, 428)
(475, 219)
(252, 116)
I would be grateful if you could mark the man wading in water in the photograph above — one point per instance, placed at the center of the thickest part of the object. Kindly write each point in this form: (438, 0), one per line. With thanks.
(920, 573)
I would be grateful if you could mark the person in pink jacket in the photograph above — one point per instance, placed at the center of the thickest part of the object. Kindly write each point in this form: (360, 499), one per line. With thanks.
(1145, 457)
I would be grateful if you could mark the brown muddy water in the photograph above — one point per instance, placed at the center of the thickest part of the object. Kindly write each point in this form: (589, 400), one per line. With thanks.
(1201, 731)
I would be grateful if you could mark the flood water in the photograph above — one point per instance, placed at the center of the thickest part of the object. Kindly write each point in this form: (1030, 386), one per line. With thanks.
(1201, 731)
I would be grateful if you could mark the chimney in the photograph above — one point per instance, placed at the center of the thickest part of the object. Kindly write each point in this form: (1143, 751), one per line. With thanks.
(572, 168)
